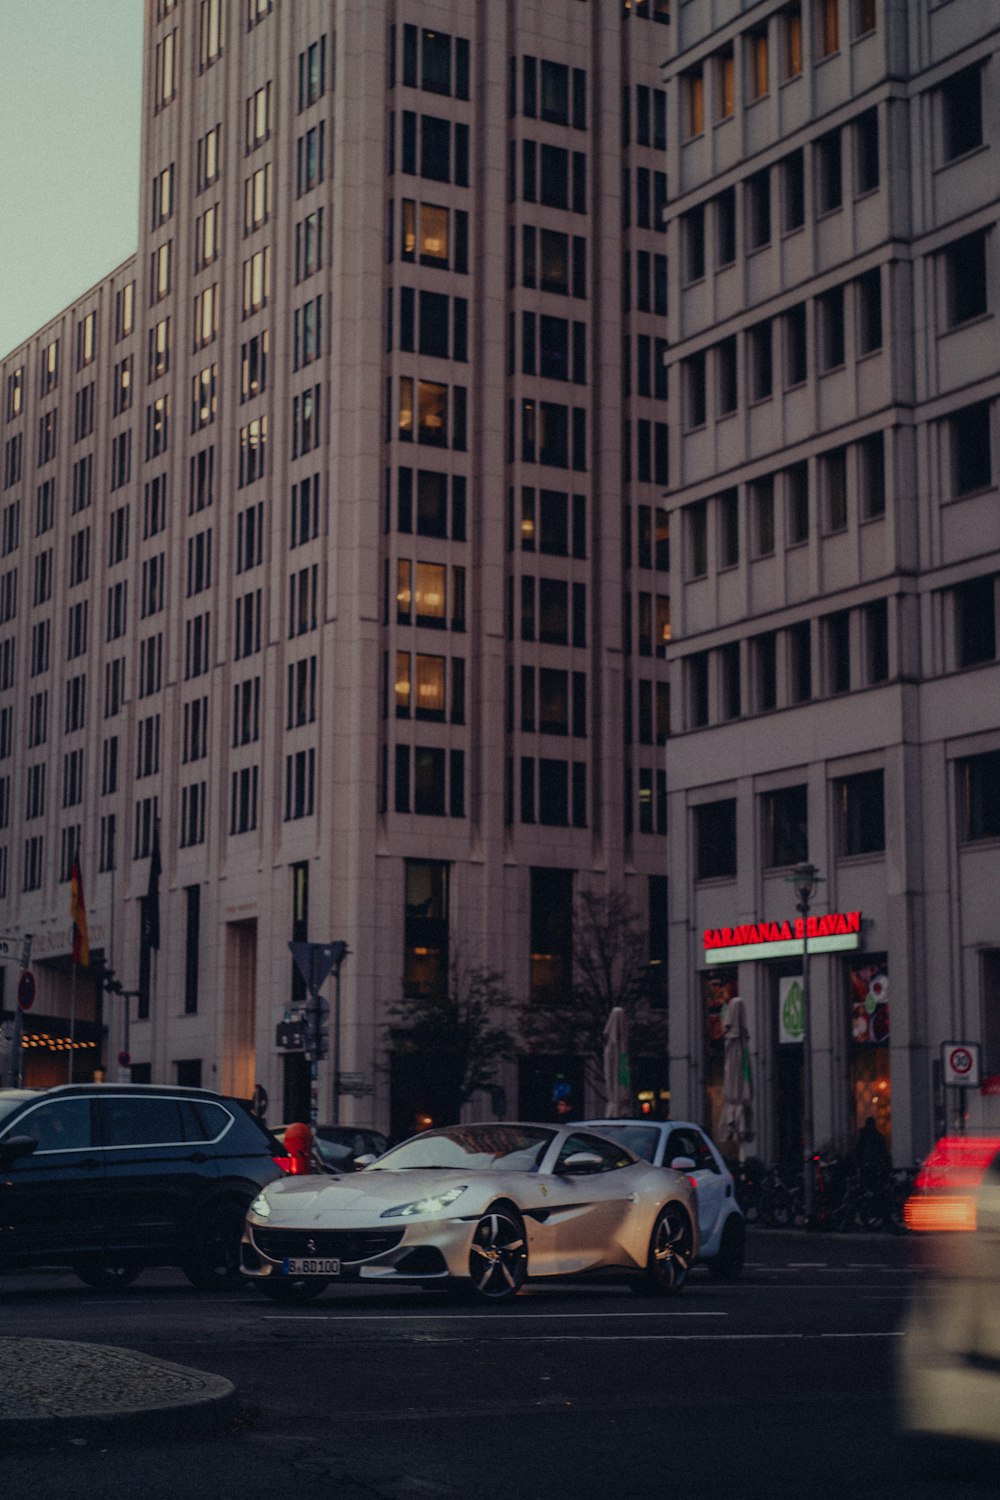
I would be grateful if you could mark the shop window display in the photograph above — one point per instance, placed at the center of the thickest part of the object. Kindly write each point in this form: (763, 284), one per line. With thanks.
(868, 992)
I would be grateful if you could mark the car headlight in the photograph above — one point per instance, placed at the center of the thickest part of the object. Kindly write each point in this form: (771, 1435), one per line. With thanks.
(430, 1205)
(261, 1207)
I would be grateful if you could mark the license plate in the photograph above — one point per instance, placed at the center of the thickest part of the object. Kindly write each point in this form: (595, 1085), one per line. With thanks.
(311, 1266)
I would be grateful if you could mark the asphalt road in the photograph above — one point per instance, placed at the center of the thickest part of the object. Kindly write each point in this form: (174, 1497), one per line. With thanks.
(779, 1385)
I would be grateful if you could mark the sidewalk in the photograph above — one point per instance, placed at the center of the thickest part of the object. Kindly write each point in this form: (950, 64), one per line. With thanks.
(53, 1390)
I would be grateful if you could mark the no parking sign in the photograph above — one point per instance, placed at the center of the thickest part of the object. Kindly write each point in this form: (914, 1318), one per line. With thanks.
(960, 1064)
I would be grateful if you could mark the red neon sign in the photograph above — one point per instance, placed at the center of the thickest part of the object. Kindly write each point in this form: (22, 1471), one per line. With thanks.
(832, 924)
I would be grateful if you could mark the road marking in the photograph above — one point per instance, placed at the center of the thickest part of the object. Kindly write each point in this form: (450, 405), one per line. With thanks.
(661, 1338)
(456, 1317)
(807, 1265)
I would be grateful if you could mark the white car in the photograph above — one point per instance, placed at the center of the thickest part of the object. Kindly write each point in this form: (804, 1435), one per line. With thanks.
(686, 1147)
(476, 1209)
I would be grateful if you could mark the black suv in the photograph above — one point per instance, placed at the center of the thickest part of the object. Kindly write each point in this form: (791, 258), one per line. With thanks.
(108, 1178)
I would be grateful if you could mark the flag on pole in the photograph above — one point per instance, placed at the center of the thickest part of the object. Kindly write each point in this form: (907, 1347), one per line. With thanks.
(78, 916)
(151, 904)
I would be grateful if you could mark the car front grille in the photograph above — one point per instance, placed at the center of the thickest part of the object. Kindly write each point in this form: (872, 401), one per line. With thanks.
(345, 1244)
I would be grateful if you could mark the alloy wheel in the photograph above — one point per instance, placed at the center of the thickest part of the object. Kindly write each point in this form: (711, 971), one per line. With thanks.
(498, 1257)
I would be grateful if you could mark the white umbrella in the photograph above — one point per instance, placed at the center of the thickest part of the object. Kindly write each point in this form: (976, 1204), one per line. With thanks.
(736, 1120)
(617, 1074)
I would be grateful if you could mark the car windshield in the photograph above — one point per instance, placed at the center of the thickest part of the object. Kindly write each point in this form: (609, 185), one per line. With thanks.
(640, 1139)
(478, 1148)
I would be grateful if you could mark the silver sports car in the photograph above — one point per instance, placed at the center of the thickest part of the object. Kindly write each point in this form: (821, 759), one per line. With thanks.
(476, 1209)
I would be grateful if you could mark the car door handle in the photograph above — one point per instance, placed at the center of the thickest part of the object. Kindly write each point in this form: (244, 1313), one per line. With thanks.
(89, 1164)
(198, 1156)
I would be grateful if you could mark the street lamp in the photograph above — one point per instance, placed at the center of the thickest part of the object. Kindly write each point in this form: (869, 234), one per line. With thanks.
(805, 878)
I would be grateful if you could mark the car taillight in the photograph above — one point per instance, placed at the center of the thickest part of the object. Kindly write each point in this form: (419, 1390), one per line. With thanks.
(957, 1161)
(936, 1213)
(284, 1162)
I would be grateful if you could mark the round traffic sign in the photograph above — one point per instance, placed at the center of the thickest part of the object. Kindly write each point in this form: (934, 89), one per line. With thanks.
(26, 990)
(960, 1061)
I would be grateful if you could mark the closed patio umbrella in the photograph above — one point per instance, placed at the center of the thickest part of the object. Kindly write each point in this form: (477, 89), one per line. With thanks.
(736, 1120)
(617, 1074)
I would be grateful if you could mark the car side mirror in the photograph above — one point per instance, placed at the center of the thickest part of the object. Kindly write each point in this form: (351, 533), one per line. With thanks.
(364, 1161)
(16, 1146)
(581, 1162)
(683, 1164)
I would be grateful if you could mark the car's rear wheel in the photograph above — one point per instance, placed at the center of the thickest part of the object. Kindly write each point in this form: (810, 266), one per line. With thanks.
(293, 1288)
(671, 1246)
(728, 1264)
(214, 1261)
(498, 1257)
(112, 1275)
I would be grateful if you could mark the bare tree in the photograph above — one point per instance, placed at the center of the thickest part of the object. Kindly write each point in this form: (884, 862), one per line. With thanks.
(610, 967)
(456, 1034)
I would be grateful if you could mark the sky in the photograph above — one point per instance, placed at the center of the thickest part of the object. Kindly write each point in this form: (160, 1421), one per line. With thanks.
(70, 119)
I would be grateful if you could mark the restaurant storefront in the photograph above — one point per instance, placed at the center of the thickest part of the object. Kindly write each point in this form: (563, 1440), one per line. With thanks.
(854, 1035)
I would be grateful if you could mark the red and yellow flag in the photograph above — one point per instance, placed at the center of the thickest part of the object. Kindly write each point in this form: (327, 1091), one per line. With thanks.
(78, 916)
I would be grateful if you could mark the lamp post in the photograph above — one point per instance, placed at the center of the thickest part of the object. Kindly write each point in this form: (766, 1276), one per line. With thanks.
(341, 951)
(805, 878)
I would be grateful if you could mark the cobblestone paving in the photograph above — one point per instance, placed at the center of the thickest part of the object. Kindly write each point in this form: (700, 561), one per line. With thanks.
(53, 1378)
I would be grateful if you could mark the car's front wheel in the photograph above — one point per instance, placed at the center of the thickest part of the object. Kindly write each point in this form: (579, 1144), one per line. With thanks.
(112, 1275)
(671, 1247)
(498, 1257)
(293, 1288)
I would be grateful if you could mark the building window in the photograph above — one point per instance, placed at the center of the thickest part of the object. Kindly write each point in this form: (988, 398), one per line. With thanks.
(725, 228)
(975, 621)
(258, 117)
(791, 42)
(800, 662)
(757, 64)
(694, 103)
(209, 160)
(962, 112)
(972, 460)
(786, 826)
(210, 32)
(729, 529)
(829, 173)
(830, 313)
(875, 620)
(838, 652)
(308, 245)
(760, 345)
(860, 807)
(871, 460)
(165, 76)
(827, 28)
(866, 153)
(758, 189)
(312, 73)
(793, 191)
(725, 95)
(426, 945)
(715, 840)
(864, 17)
(300, 784)
(834, 470)
(697, 531)
(965, 279)
(979, 796)
(192, 822)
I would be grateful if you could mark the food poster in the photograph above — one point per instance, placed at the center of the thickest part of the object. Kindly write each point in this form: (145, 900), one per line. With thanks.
(869, 999)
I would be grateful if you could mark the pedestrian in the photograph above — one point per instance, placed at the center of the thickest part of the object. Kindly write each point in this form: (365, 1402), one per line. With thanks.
(871, 1155)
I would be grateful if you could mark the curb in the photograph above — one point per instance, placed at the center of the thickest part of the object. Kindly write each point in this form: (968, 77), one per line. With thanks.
(56, 1390)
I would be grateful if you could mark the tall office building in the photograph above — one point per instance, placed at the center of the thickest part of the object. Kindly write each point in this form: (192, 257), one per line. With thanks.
(318, 518)
(833, 245)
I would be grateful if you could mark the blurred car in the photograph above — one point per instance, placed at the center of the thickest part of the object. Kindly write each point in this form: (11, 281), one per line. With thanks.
(667, 1143)
(337, 1147)
(109, 1178)
(477, 1209)
(949, 1363)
